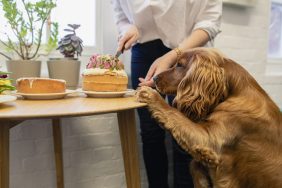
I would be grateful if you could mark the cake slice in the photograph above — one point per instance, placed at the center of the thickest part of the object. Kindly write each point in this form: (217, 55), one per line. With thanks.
(34, 85)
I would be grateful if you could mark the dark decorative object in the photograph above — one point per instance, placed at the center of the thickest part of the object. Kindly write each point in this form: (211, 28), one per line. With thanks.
(5, 82)
(71, 44)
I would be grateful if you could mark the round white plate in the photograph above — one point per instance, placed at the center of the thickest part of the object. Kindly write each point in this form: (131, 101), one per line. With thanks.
(107, 94)
(45, 96)
(7, 98)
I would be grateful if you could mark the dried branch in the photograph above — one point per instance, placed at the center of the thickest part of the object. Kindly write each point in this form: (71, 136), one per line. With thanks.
(9, 58)
(40, 34)
(11, 46)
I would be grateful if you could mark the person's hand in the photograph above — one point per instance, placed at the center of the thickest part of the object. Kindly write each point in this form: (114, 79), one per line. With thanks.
(161, 64)
(128, 38)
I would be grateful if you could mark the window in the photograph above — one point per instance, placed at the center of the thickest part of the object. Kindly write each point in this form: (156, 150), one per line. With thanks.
(76, 12)
(275, 31)
(66, 12)
(274, 65)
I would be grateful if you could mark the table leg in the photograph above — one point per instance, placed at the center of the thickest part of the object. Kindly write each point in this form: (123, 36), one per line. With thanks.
(4, 152)
(128, 137)
(57, 137)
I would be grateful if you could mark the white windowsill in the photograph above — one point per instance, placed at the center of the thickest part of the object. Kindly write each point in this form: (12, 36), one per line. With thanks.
(243, 3)
(277, 1)
(273, 70)
(87, 51)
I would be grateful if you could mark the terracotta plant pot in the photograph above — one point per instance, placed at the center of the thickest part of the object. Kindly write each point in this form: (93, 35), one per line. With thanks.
(66, 69)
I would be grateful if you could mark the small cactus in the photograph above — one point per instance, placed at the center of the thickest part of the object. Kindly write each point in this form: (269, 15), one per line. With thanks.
(70, 44)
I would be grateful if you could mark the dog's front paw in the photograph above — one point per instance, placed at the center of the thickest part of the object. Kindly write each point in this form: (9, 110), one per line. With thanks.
(206, 156)
(146, 94)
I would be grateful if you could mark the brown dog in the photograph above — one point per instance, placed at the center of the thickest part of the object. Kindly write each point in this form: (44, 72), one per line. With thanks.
(223, 118)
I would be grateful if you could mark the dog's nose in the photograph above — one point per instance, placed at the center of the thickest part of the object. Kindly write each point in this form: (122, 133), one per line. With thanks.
(155, 78)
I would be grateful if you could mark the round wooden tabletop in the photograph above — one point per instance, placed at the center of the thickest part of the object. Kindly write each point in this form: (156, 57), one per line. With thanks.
(76, 105)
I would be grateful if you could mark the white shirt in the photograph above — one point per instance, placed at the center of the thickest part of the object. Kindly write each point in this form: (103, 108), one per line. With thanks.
(169, 20)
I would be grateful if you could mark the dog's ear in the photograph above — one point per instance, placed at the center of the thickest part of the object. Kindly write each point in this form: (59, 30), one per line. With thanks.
(204, 85)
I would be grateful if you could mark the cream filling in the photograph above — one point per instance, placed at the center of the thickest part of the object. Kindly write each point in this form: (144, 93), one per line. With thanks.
(98, 71)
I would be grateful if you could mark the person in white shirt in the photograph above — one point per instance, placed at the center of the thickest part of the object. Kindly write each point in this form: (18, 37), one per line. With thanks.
(157, 32)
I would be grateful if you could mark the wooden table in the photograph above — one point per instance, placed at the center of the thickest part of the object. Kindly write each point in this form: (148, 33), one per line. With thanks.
(13, 113)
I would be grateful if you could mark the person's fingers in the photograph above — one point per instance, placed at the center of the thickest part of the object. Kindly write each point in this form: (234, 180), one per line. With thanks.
(120, 46)
(129, 42)
(122, 42)
(150, 73)
(144, 82)
(141, 79)
(149, 83)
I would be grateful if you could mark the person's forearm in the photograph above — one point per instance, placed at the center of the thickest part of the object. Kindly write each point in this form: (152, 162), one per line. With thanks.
(198, 38)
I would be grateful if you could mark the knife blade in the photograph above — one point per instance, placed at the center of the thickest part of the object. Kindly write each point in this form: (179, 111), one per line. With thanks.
(119, 52)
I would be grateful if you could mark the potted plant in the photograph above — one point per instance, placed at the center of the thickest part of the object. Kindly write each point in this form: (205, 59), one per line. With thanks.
(24, 42)
(67, 68)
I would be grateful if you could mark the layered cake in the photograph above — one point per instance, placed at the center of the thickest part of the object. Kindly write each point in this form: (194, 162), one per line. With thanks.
(104, 73)
(40, 85)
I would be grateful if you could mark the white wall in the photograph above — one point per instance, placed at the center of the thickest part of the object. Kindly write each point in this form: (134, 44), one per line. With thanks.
(92, 152)
(244, 38)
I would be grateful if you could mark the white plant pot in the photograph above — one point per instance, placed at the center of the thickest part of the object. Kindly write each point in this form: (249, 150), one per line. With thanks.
(66, 69)
(23, 68)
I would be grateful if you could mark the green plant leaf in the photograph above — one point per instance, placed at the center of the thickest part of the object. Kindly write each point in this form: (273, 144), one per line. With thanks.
(6, 88)
(22, 22)
(53, 39)
(3, 72)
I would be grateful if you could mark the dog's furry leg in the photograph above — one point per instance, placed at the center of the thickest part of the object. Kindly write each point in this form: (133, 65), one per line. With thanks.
(206, 156)
(190, 137)
(200, 175)
(156, 104)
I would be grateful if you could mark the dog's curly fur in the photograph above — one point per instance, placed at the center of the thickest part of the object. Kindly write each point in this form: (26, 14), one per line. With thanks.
(223, 118)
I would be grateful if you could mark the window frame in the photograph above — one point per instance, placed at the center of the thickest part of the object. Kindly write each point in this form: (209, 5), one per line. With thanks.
(87, 50)
(274, 65)
(277, 1)
(271, 59)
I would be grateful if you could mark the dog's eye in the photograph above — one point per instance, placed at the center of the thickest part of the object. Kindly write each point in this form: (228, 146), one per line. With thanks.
(178, 65)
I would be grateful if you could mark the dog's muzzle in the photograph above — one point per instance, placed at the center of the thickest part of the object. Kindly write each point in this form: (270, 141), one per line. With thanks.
(155, 78)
